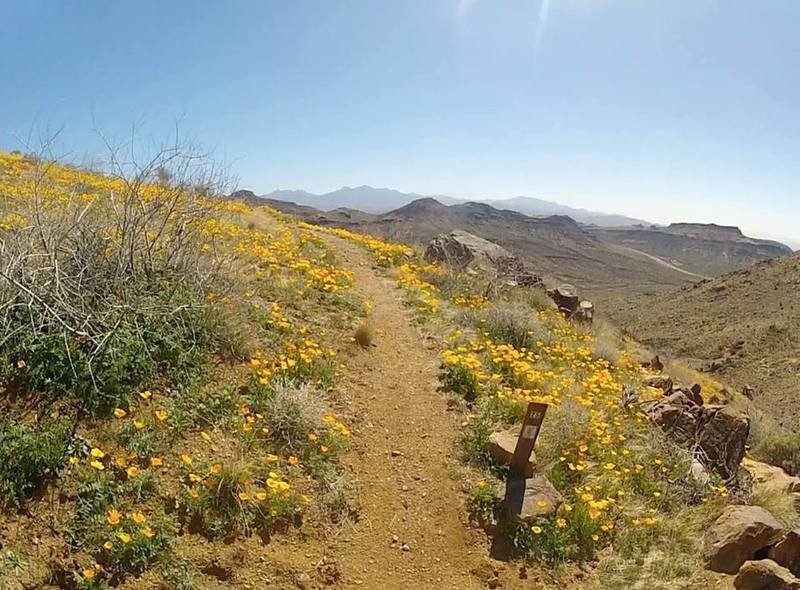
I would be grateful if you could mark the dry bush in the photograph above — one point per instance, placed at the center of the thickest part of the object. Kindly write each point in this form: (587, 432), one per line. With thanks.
(514, 324)
(293, 413)
(104, 278)
(364, 335)
(607, 343)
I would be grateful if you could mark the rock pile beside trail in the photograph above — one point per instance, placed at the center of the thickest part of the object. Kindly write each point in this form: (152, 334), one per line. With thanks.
(750, 543)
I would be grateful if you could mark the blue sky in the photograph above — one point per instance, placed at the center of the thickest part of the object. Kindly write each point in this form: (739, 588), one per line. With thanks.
(661, 109)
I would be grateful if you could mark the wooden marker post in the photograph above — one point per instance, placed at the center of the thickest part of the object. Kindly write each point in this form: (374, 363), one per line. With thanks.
(531, 426)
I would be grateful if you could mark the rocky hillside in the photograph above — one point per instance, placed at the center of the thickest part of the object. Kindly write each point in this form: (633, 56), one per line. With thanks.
(704, 249)
(556, 246)
(741, 326)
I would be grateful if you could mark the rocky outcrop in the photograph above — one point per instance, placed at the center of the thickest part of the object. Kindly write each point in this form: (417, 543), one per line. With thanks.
(737, 536)
(570, 303)
(717, 435)
(765, 574)
(463, 250)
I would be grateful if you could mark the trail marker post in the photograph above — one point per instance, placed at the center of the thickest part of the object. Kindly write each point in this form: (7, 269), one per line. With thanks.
(531, 425)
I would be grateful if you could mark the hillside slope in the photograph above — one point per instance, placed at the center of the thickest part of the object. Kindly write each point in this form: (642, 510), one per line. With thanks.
(557, 246)
(704, 249)
(744, 325)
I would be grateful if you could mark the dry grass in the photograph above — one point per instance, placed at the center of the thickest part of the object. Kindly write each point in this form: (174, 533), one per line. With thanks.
(364, 335)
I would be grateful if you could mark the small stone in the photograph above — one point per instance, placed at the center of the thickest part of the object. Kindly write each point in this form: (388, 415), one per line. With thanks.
(396, 453)
(405, 547)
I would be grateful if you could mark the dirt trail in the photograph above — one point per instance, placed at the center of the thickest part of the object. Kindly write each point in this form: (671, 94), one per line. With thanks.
(406, 449)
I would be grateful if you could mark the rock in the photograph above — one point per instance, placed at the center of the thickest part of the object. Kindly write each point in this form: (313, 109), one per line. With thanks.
(717, 434)
(529, 498)
(696, 394)
(723, 438)
(787, 552)
(662, 382)
(570, 303)
(765, 574)
(475, 255)
(656, 364)
(737, 535)
(698, 473)
(748, 392)
(770, 479)
(302, 580)
(501, 449)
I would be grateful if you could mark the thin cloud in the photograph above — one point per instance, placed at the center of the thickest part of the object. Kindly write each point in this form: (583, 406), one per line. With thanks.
(464, 7)
(541, 24)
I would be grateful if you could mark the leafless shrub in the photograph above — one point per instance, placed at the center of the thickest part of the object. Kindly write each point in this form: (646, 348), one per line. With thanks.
(93, 256)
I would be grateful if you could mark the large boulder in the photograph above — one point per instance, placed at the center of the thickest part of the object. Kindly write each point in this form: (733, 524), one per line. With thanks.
(529, 498)
(717, 435)
(737, 536)
(723, 438)
(787, 552)
(765, 574)
(465, 251)
(501, 449)
(768, 479)
(460, 249)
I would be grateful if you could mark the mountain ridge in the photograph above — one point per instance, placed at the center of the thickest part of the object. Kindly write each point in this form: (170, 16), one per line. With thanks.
(383, 200)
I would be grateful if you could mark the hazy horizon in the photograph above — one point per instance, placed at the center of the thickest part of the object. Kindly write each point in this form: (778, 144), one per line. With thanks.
(661, 111)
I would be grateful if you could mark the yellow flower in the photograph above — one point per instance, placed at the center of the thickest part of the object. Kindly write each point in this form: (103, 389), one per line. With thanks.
(323, 449)
(194, 478)
(205, 436)
(21, 364)
(561, 523)
(216, 469)
(261, 496)
(97, 453)
(138, 424)
(187, 460)
(293, 460)
(537, 530)
(272, 458)
(595, 538)
(146, 395)
(133, 471)
(120, 461)
(156, 462)
(113, 516)
(138, 518)
(161, 415)
(244, 496)
(194, 493)
(97, 465)
(74, 460)
(312, 437)
(89, 573)
(120, 413)
(148, 532)
(108, 545)
(541, 503)
(305, 499)
(124, 537)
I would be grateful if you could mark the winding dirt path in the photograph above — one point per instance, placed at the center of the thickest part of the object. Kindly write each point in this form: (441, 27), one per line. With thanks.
(412, 532)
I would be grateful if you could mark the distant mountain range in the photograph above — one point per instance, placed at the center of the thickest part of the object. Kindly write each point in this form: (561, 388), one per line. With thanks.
(382, 200)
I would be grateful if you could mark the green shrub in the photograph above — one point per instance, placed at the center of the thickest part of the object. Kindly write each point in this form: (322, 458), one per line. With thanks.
(781, 449)
(29, 454)
(482, 501)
